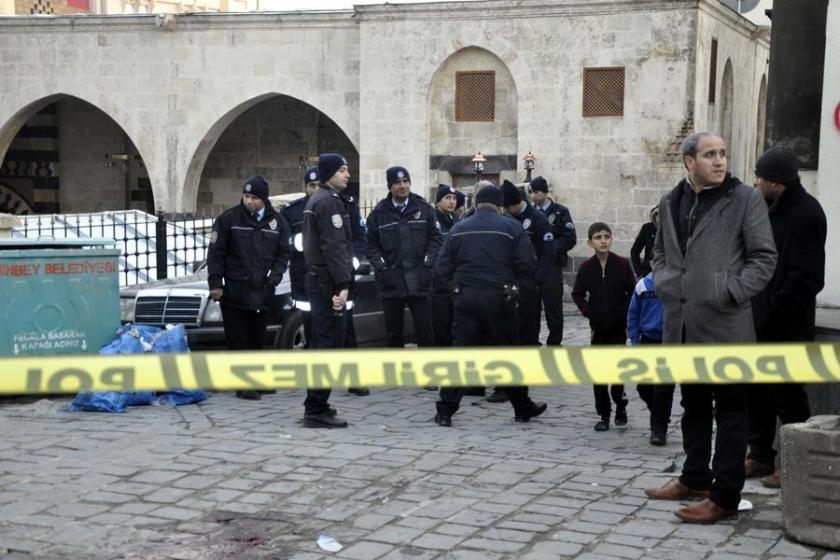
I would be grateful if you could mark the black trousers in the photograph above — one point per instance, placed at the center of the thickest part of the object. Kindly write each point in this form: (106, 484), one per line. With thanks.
(604, 392)
(483, 318)
(658, 398)
(765, 402)
(443, 316)
(552, 300)
(328, 328)
(726, 405)
(244, 330)
(421, 311)
(530, 315)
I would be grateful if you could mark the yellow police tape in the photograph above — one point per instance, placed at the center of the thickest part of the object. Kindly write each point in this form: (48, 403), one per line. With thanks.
(804, 363)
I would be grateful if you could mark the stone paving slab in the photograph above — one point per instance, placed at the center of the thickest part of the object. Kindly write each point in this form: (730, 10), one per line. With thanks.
(237, 479)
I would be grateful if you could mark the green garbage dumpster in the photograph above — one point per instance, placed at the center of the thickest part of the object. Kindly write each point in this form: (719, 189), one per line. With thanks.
(57, 296)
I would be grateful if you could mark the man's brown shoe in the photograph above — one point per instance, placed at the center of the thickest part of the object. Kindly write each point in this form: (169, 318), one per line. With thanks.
(772, 480)
(705, 512)
(675, 490)
(753, 468)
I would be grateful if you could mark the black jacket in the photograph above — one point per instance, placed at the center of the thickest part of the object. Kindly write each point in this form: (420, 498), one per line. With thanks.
(644, 242)
(785, 311)
(541, 235)
(402, 247)
(565, 236)
(327, 240)
(603, 297)
(293, 212)
(486, 251)
(247, 258)
(445, 223)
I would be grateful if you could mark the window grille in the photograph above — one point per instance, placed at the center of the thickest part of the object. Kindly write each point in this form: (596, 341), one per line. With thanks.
(475, 96)
(603, 92)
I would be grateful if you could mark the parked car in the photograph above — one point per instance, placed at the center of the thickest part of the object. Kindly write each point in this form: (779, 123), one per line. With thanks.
(186, 300)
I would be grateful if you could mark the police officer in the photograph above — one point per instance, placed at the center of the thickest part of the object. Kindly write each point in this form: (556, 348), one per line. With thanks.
(565, 238)
(359, 234)
(293, 212)
(246, 260)
(446, 200)
(403, 241)
(485, 256)
(541, 235)
(328, 250)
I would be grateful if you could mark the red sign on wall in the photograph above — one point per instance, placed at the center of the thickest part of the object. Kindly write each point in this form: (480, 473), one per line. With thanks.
(80, 4)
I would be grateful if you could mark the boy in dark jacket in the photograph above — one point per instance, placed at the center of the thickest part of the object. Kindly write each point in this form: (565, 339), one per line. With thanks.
(603, 288)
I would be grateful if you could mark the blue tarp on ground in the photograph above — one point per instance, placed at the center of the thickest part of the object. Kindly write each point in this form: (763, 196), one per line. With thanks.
(137, 339)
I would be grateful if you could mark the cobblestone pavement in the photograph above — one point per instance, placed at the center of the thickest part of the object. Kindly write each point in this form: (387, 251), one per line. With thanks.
(232, 479)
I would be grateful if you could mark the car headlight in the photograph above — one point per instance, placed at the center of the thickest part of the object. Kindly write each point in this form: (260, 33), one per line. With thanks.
(127, 309)
(213, 312)
(298, 241)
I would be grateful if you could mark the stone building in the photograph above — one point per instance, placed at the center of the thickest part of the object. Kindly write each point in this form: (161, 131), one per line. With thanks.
(170, 114)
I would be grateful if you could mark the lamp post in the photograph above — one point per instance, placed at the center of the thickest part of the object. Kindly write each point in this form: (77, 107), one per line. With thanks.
(478, 166)
(530, 162)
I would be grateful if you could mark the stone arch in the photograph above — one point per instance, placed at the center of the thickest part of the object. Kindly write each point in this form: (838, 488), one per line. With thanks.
(761, 117)
(212, 135)
(727, 113)
(451, 143)
(82, 163)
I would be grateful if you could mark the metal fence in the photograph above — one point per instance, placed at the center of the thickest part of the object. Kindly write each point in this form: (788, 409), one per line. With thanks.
(152, 247)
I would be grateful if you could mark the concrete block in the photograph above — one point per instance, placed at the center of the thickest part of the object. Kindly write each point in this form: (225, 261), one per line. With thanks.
(811, 475)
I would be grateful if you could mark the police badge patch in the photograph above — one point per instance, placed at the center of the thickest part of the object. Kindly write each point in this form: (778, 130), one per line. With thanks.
(548, 237)
(214, 236)
(526, 223)
(337, 221)
(437, 225)
(552, 218)
(570, 225)
(248, 188)
(273, 224)
(417, 215)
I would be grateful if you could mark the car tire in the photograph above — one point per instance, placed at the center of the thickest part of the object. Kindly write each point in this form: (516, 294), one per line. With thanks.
(292, 336)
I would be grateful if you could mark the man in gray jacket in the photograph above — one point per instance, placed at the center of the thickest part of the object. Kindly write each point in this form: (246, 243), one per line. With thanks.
(714, 251)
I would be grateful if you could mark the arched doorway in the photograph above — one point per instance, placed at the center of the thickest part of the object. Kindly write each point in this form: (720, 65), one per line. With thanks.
(761, 118)
(727, 104)
(473, 107)
(65, 155)
(274, 135)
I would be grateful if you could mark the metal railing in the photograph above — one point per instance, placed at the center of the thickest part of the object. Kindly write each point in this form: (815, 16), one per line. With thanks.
(152, 247)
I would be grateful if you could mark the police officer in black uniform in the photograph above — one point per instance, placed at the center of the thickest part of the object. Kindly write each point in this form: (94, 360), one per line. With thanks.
(293, 212)
(403, 241)
(565, 238)
(359, 233)
(485, 256)
(446, 200)
(541, 235)
(328, 250)
(246, 260)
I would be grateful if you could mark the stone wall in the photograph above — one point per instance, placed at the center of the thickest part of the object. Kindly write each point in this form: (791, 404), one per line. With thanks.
(607, 168)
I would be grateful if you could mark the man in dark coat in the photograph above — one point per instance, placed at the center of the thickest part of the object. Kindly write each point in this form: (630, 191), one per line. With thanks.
(485, 256)
(714, 252)
(403, 241)
(641, 253)
(293, 212)
(565, 238)
(446, 200)
(785, 311)
(328, 250)
(248, 254)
